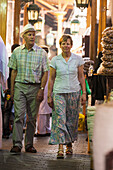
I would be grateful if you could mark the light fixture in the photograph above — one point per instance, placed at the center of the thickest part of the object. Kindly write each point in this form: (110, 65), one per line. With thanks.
(50, 39)
(38, 25)
(83, 3)
(75, 25)
(33, 13)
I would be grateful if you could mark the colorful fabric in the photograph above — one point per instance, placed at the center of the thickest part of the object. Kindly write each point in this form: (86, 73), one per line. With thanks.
(66, 80)
(29, 64)
(3, 60)
(4, 70)
(0, 121)
(65, 118)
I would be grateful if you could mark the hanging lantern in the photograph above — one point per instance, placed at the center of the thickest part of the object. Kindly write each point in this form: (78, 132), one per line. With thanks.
(50, 39)
(82, 3)
(33, 13)
(38, 25)
(75, 26)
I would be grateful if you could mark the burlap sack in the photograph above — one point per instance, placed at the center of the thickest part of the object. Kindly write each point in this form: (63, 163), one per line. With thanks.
(102, 135)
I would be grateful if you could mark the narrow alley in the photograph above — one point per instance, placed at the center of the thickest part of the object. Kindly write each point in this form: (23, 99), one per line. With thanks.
(45, 158)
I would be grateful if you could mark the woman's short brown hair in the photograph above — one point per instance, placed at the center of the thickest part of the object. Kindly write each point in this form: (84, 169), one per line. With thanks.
(64, 38)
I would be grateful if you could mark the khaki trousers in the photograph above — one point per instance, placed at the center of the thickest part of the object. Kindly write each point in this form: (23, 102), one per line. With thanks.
(25, 102)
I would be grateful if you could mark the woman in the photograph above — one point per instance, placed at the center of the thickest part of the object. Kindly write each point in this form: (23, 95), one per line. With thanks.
(65, 81)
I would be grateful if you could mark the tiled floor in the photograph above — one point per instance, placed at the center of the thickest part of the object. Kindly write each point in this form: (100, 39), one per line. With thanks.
(45, 158)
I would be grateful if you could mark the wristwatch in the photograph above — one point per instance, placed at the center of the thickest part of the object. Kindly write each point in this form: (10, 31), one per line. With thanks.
(42, 88)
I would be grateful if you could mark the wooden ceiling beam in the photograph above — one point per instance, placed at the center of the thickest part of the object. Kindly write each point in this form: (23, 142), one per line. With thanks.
(64, 6)
(61, 1)
(47, 5)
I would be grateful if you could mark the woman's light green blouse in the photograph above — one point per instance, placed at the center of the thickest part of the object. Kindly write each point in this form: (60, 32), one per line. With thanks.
(66, 80)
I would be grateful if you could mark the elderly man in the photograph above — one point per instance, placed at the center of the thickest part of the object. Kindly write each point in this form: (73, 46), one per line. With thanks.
(30, 67)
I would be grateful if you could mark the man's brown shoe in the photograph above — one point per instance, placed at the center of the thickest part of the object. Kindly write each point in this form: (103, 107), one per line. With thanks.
(31, 149)
(15, 149)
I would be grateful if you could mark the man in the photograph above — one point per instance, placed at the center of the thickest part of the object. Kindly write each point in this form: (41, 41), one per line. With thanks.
(30, 67)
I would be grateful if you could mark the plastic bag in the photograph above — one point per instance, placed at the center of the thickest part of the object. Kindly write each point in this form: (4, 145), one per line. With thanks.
(107, 45)
(104, 71)
(81, 122)
(107, 29)
(108, 52)
(107, 58)
(107, 39)
(107, 64)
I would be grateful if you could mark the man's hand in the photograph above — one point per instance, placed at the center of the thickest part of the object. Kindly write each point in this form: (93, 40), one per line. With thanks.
(50, 101)
(12, 95)
(5, 91)
(40, 95)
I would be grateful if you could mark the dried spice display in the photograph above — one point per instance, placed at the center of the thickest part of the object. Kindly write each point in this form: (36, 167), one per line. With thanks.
(106, 67)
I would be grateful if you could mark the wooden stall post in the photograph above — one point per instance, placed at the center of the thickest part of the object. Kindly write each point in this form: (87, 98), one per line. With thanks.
(3, 19)
(16, 21)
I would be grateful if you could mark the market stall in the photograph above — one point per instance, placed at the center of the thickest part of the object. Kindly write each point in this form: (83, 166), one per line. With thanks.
(103, 119)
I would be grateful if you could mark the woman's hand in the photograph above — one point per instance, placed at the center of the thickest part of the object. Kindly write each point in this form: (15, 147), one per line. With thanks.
(40, 95)
(50, 101)
(83, 99)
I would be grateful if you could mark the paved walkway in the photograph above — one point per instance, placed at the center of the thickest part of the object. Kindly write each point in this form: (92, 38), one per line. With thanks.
(45, 158)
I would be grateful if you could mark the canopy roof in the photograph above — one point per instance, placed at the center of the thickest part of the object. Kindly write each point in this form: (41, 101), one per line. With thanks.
(51, 7)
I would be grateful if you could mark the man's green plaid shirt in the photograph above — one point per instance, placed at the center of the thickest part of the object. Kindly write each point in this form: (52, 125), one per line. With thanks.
(29, 64)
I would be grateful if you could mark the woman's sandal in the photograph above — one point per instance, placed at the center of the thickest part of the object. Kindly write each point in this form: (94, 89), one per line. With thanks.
(60, 154)
(69, 151)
